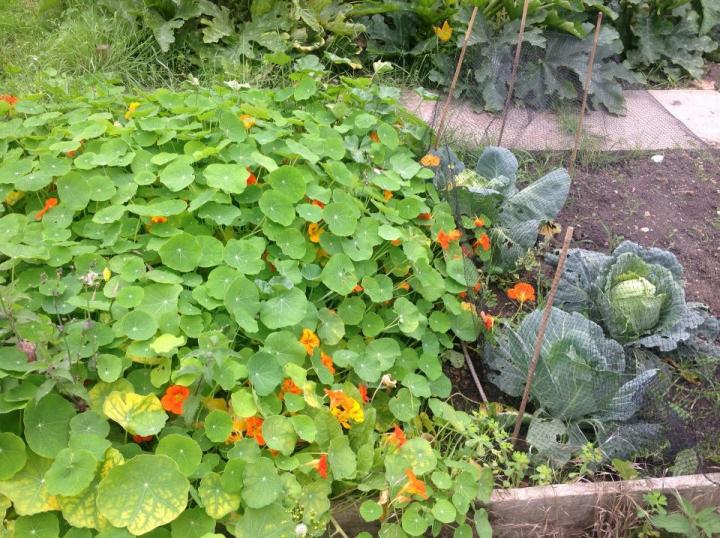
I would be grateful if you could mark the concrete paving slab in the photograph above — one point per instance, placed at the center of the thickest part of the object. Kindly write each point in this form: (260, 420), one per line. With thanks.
(698, 110)
(647, 125)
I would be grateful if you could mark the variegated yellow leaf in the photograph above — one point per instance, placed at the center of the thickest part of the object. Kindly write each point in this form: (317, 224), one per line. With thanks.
(139, 415)
(27, 489)
(217, 501)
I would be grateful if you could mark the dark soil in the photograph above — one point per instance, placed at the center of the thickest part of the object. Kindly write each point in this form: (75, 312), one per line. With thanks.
(674, 205)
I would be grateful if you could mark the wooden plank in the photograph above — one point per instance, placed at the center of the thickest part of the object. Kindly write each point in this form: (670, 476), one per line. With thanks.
(568, 510)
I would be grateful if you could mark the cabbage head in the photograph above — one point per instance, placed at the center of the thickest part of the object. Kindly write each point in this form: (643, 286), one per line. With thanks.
(635, 293)
(581, 383)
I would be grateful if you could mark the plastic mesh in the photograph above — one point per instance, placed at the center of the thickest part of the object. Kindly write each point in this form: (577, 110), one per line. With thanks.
(626, 362)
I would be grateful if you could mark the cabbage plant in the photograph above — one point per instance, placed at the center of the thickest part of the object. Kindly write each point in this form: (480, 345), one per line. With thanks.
(581, 379)
(635, 293)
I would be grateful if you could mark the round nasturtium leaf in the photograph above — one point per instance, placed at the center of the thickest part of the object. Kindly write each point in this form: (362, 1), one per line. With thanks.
(38, 526)
(12, 455)
(144, 493)
(138, 325)
(139, 415)
(177, 175)
(183, 449)
(444, 511)
(109, 367)
(265, 373)
(71, 472)
(230, 178)
(285, 347)
(277, 207)
(414, 522)
(28, 489)
(342, 218)
(245, 255)
(370, 510)
(218, 426)
(47, 424)
(217, 501)
(286, 309)
(181, 252)
(288, 180)
(404, 406)
(192, 523)
(339, 274)
(279, 434)
(261, 483)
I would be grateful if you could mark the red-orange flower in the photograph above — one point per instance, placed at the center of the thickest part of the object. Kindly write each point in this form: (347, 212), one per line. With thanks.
(483, 242)
(462, 295)
(522, 292)
(425, 216)
(397, 437)
(477, 287)
(445, 238)
(9, 99)
(478, 222)
(387, 195)
(142, 438)
(252, 178)
(362, 389)
(70, 154)
(49, 203)
(174, 398)
(327, 362)
(414, 486)
(253, 428)
(358, 288)
(322, 466)
(404, 286)
(310, 340)
(289, 387)
(317, 203)
(158, 220)
(488, 320)
(374, 137)
(395, 242)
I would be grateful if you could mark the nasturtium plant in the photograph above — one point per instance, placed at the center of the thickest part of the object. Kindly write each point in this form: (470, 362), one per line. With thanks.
(224, 304)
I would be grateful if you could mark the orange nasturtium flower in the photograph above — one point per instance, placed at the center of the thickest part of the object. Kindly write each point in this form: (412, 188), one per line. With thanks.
(132, 107)
(322, 466)
(315, 231)
(397, 437)
(387, 195)
(310, 340)
(248, 120)
(9, 99)
(327, 362)
(317, 203)
(142, 438)
(425, 216)
(444, 32)
(522, 291)
(344, 408)
(174, 398)
(253, 428)
(404, 286)
(395, 242)
(49, 203)
(478, 222)
(362, 389)
(483, 242)
(158, 219)
(238, 426)
(358, 288)
(430, 160)
(445, 238)
(374, 137)
(252, 178)
(488, 320)
(414, 486)
(289, 387)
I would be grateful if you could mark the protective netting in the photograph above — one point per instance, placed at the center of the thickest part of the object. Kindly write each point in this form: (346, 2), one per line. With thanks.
(626, 362)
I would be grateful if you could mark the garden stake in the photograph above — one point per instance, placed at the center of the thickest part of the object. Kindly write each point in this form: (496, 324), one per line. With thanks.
(473, 373)
(541, 332)
(583, 106)
(513, 73)
(456, 76)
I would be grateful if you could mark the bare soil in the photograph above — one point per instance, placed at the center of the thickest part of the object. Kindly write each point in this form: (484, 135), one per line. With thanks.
(674, 204)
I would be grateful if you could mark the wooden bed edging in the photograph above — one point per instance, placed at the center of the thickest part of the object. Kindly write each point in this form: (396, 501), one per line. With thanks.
(566, 510)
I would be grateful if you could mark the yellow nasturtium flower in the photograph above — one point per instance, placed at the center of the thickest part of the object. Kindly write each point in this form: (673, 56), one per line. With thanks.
(132, 107)
(106, 274)
(14, 197)
(444, 32)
